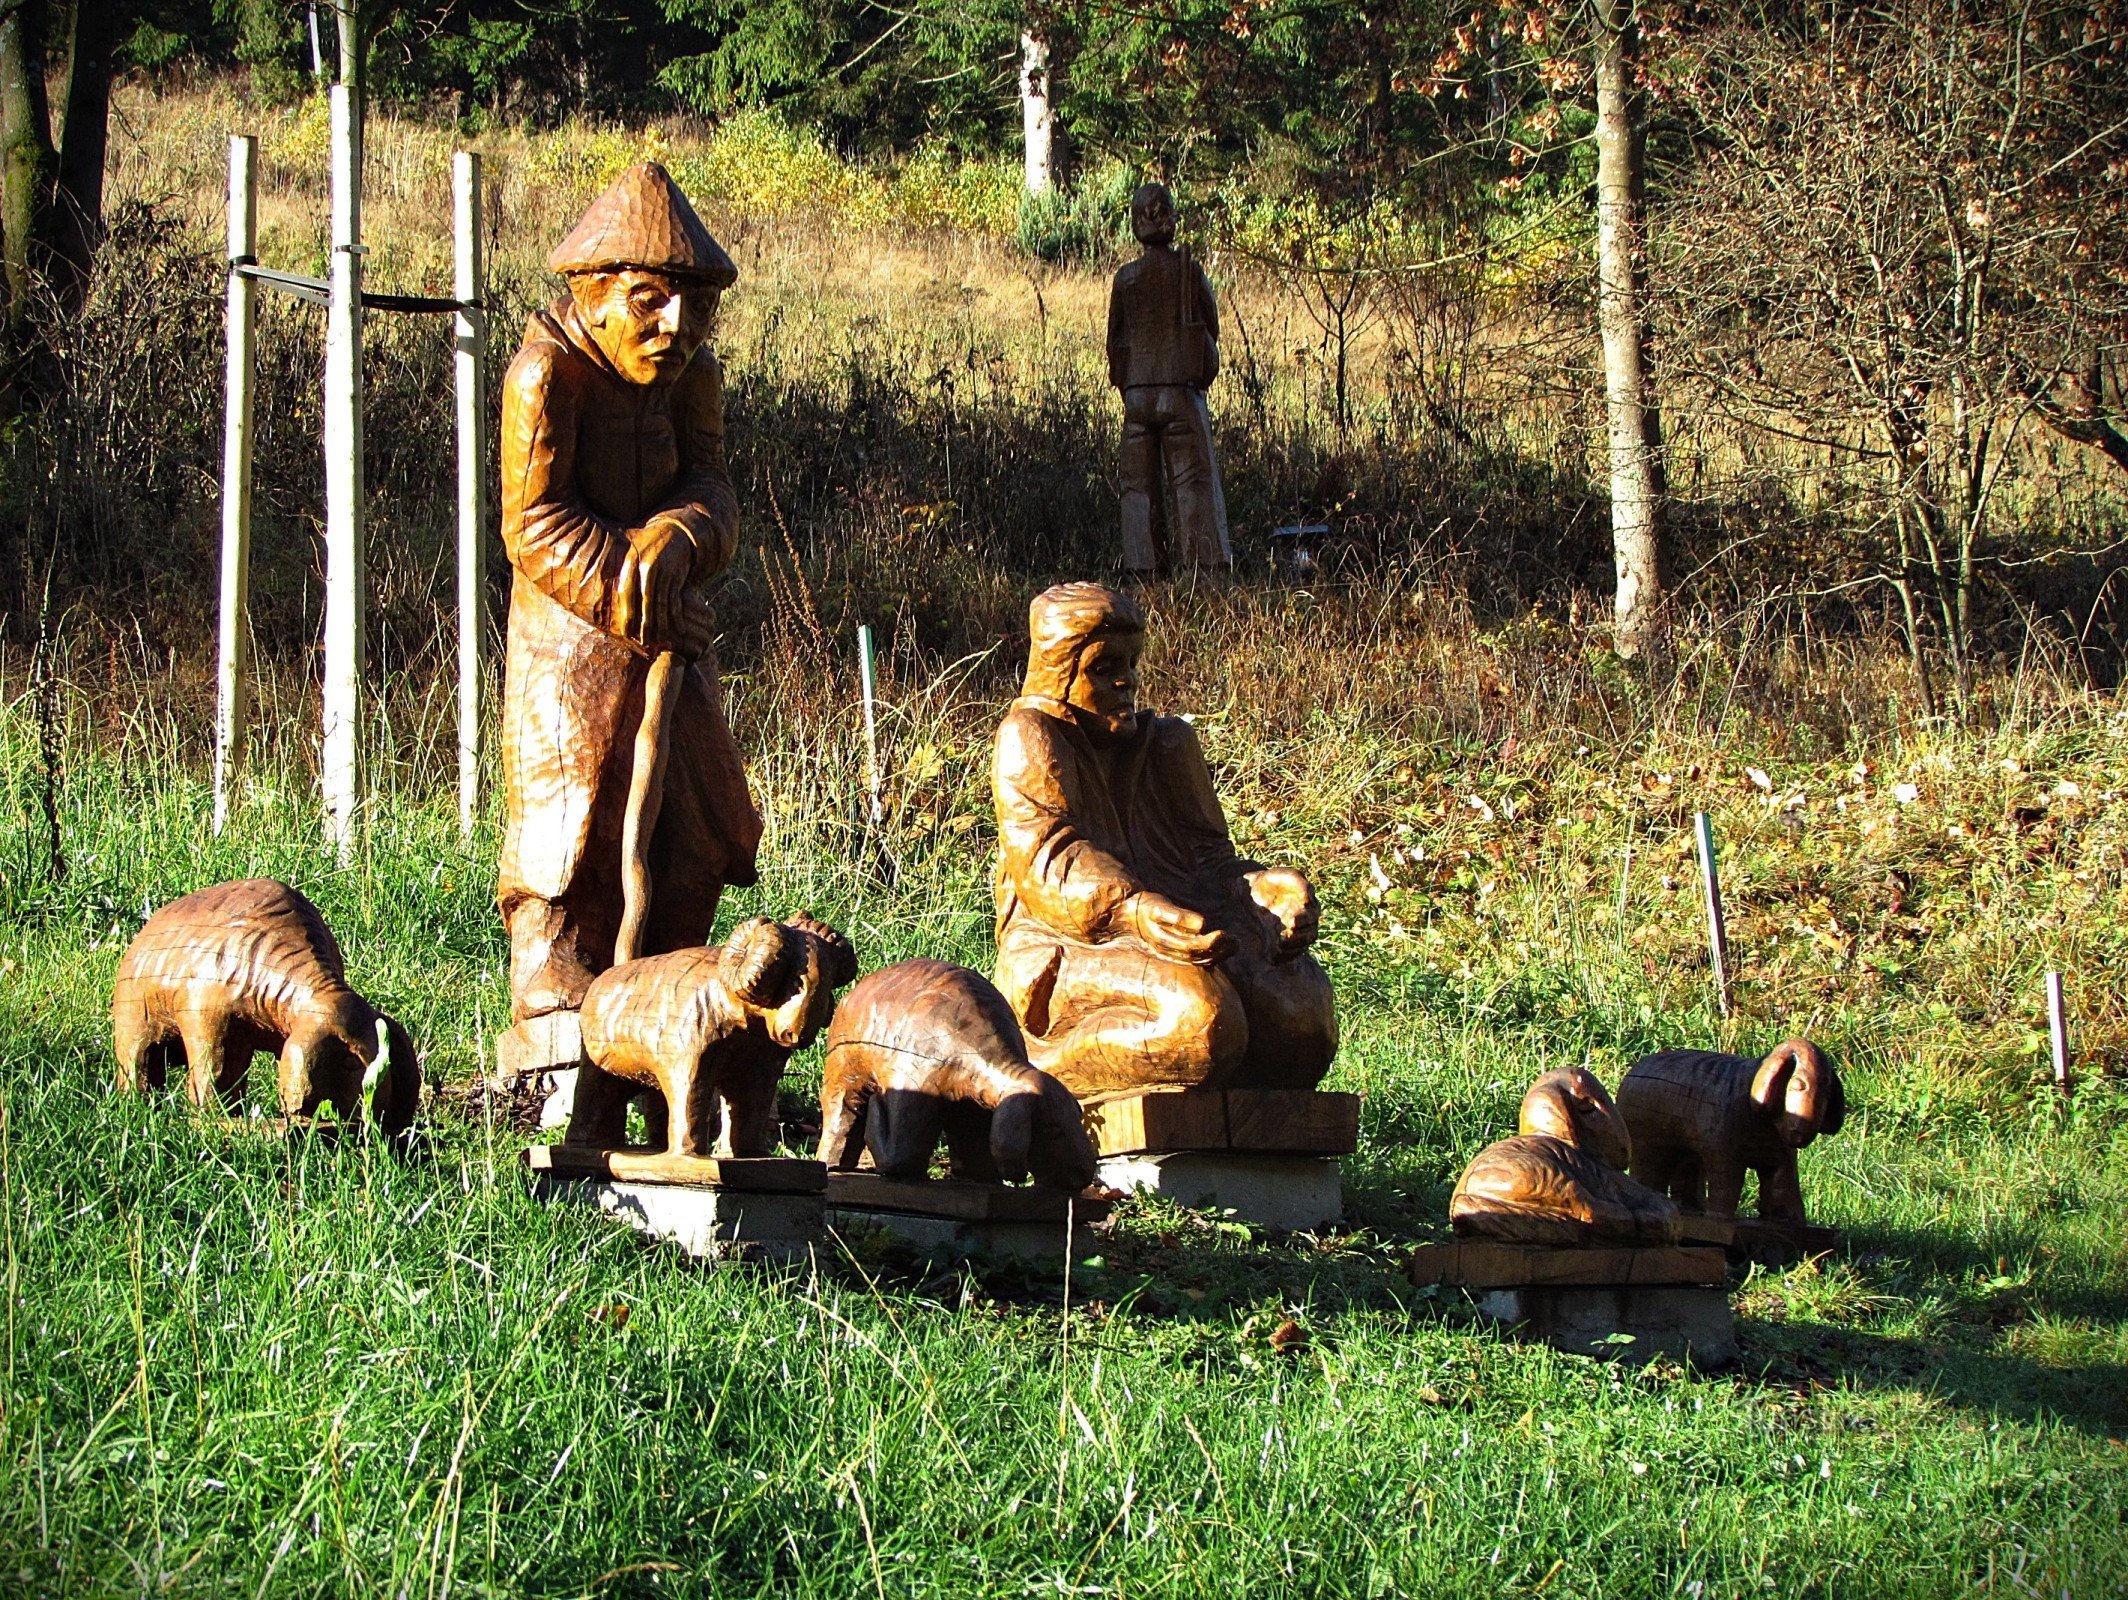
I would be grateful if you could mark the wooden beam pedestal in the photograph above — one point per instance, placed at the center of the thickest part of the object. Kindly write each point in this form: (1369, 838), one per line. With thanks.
(1627, 1304)
(538, 1058)
(768, 1208)
(946, 1220)
(1267, 1155)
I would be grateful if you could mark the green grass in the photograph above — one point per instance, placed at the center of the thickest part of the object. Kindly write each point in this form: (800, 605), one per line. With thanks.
(238, 1364)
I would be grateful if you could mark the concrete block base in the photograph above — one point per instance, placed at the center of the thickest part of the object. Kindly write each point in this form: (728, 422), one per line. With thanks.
(1682, 1321)
(1286, 1193)
(711, 1224)
(946, 1239)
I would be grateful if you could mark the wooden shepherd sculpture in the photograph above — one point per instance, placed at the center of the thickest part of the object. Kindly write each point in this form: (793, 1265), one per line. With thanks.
(1163, 353)
(628, 805)
(1559, 1180)
(1702, 1119)
(224, 973)
(925, 1050)
(1135, 947)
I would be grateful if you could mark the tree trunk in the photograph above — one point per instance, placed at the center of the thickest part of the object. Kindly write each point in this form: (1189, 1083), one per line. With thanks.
(1036, 112)
(25, 154)
(84, 142)
(1635, 425)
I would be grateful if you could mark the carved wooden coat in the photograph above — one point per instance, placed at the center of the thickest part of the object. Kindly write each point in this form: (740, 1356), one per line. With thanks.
(1701, 1119)
(1557, 1182)
(223, 973)
(710, 1029)
(923, 1050)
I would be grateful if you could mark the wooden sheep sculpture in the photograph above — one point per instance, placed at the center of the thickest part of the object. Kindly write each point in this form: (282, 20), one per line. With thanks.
(923, 1049)
(1557, 1182)
(710, 1030)
(1700, 1120)
(225, 972)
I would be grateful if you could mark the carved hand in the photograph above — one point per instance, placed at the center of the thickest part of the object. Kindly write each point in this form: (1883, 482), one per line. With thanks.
(1175, 931)
(653, 607)
(1290, 901)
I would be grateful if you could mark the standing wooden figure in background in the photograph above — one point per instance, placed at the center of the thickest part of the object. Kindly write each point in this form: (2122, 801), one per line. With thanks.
(617, 509)
(1137, 949)
(226, 972)
(1163, 353)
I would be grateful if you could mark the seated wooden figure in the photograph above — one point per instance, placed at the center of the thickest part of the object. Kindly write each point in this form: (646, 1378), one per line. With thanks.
(223, 973)
(1137, 949)
(1701, 1119)
(710, 1029)
(923, 1050)
(1557, 1182)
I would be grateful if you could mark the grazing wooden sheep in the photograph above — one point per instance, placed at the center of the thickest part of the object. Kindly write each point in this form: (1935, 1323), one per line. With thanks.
(1701, 1119)
(225, 972)
(710, 1029)
(925, 1049)
(1557, 1181)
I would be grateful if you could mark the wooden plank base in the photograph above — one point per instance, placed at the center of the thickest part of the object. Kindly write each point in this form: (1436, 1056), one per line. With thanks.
(953, 1201)
(1269, 1121)
(742, 1174)
(1482, 1264)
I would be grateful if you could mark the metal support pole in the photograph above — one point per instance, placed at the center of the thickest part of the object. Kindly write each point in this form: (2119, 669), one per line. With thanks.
(238, 411)
(1717, 932)
(345, 580)
(469, 343)
(2058, 1030)
(871, 725)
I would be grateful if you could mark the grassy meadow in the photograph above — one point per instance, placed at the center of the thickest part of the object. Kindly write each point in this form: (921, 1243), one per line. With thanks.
(245, 1364)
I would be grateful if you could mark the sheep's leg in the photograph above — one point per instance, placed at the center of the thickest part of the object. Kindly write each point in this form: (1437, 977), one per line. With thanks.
(656, 1119)
(598, 1118)
(208, 1060)
(1781, 1192)
(144, 1053)
(842, 1125)
(748, 1097)
(1725, 1186)
(902, 1129)
(688, 1116)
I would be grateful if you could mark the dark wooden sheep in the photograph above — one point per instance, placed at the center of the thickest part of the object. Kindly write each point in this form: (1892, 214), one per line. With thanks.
(710, 1029)
(225, 972)
(1701, 1119)
(1557, 1182)
(923, 1050)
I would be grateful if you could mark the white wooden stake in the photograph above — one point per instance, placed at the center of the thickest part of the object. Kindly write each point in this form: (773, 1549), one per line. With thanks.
(2058, 1030)
(344, 556)
(238, 411)
(470, 340)
(871, 726)
(1717, 934)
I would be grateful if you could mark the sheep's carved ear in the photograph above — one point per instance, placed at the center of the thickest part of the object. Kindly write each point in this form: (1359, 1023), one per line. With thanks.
(838, 957)
(1769, 1085)
(1601, 1130)
(754, 958)
(1814, 1093)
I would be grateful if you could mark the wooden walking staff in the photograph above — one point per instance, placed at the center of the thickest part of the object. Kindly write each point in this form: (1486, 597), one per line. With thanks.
(238, 416)
(646, 795)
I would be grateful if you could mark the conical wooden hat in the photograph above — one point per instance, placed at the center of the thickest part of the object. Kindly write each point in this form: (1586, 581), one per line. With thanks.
(644, 221)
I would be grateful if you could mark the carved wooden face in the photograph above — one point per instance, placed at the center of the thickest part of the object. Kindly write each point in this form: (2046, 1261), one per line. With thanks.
(1153, 214)
(1106, 684)
(648, 324)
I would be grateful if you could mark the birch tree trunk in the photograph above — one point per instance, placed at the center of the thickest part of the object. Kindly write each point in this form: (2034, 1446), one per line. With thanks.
(1635, 425)
(25, 155)
(1036, 112)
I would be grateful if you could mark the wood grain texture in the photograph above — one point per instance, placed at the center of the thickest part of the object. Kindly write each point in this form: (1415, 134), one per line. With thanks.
(961, 1202)
(1270, 1121)
(748, 1174)
(1482, 1264)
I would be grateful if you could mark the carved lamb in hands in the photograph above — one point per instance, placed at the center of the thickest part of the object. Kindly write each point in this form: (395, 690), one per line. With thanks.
(1558, 1181)
(225, 972)
(710, 1030)
(1701, 1120)
(924, 1049)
